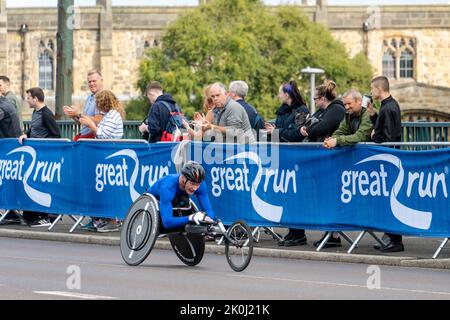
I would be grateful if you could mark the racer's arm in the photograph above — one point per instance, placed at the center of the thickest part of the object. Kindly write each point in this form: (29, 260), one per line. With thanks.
(166, 209)
(203, 199)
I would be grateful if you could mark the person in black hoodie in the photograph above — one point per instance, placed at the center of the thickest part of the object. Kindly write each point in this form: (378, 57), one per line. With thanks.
(292, 104)
(158, 115)
(330, 114)
(388, 128)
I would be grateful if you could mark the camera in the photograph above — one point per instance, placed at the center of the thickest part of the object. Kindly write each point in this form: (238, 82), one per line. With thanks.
(303, 119)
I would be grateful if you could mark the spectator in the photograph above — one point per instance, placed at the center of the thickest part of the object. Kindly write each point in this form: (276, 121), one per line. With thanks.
(110, 127)
(208, 106)
(9, 128)
(95, 82)
(158, 115)
(330, 114)
(238, 91)
(8, 94)
(201, 118)
(230, 118)
(292, 103)
(43, 125)
(388, 128)
(9, 119)
(356, 127)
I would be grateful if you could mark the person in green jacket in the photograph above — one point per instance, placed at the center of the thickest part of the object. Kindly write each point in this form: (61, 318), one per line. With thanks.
(356, 126)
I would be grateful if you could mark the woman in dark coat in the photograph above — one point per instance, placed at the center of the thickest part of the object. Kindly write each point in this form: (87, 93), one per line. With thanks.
(288, 131)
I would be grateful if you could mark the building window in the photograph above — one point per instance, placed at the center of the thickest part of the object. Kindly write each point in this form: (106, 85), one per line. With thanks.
(46, 71)
(406, 64)
(389, 64)
(46, 65)
(399, 57)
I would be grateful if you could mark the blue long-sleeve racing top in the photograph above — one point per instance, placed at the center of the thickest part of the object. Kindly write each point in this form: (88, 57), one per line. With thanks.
(167, 188)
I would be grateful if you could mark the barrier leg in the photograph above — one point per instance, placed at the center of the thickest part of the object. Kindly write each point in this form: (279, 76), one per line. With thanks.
(73, 218)
(355, 243)
(58, 218)
(325, 239)
(275, 236)
(346, 237)
(381, 242)
(256, 233)
(438, 251)
(3, 216)
(76, 224)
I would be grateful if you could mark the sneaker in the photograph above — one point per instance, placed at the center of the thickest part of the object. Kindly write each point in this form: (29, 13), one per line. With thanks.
(331, 243)
(393, 247)
(109, 226)
(40, 223)
(89, 226)
(295, 241)
(385, 238)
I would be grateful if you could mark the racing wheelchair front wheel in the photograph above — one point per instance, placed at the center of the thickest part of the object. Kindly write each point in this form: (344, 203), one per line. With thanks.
(140, 230)
(239, 246)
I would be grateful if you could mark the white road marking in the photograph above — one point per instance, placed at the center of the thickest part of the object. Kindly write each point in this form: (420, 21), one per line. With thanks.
(75, 295)
(340, 284)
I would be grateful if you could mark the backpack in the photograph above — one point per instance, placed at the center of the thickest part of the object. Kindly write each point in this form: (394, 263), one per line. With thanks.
(259, 123)
(172, 131)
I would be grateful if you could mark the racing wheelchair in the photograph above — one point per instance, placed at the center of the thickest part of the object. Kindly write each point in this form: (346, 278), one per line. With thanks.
(143, 225)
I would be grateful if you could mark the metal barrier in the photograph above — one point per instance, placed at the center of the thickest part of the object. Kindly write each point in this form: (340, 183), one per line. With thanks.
(411, 131)
(182, 155)
(403, 146)
(70, 129)
(425, 131)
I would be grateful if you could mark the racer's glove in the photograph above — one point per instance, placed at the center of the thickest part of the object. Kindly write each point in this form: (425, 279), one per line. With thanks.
(199, 217)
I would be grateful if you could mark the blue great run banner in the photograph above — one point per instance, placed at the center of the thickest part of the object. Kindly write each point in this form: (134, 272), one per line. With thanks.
(298, 185)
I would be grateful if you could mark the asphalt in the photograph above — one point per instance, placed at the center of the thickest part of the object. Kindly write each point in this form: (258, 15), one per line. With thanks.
(418, 251)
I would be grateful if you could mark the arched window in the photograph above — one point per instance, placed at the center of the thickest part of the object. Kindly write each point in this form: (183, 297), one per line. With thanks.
(406, 64)
(399, 57)
(46, 70)
(47, 64)
(389, 64)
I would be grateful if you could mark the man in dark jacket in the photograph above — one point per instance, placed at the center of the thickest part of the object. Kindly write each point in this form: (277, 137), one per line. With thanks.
(9, 128)
(238, 91)
(158, 115)
(388, 128)
(9, 120)
(388, 124)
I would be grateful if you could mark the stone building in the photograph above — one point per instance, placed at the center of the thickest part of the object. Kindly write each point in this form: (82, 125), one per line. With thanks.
(409, 44)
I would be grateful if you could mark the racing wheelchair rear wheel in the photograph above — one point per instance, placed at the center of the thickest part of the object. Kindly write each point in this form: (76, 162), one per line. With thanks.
(188, 247)
(239, 246)
(140, 230)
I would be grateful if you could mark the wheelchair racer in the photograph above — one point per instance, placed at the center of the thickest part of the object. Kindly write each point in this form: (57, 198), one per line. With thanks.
(187, 183)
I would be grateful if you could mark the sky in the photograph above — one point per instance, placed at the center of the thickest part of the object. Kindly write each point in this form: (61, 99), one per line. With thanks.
(53, 3)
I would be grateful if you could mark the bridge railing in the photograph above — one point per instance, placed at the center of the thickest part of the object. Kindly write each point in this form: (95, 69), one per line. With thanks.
(412, 131)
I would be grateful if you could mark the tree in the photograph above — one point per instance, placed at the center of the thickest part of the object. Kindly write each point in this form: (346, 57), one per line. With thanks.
(227, 40)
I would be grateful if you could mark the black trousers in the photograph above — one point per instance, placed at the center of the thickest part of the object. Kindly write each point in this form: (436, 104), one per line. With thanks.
(297, 232)
(30, 216)
(396, 238)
